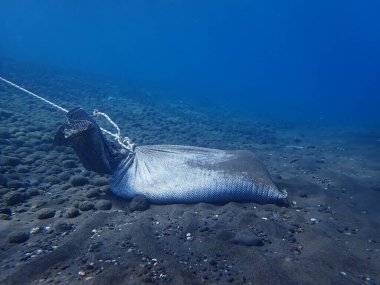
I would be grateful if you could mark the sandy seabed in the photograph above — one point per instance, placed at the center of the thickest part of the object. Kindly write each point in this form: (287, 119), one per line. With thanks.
(60, 224)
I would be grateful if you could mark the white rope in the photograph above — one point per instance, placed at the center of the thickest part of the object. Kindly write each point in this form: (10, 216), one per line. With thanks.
(35, 95)
(124, 142)
(96, 113)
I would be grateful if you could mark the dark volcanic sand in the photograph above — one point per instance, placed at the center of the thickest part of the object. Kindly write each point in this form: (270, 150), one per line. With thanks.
(57, 224)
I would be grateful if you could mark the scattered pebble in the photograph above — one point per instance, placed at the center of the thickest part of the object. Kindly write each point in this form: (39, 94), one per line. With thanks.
(18, 237)
(69, 163)
(5, 217)
(6, 211)
(85, 206)
(45, 213)
(3, 180)
(292, 239)
(62, 227)
(33, 192)
(248, 238)
(36, 230)
(38, 204)
(82, 273)
(100, 181)
(139, 203)
(72, 212)
(4, 134)
(9, 161)
(15, 184)
(52, 180)
(47, 230)
(78, 180)
(92, 193)
(22, 169)
(103, 205)
(297, 250)
(64, 176)
(5, 114)
(13, 198)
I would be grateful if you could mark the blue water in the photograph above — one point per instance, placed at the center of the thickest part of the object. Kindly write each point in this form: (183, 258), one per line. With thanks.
(303, 60)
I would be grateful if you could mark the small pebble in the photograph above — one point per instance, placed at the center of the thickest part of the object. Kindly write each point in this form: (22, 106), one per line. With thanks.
(52, 180)
(4, 134)
(213, 262)
(292, 240)
(18, 237)
(36, 230)
(45, 213)
(103, 205)
(82, 273)
(15, 184)
(69, 163)
(188, 236)
(9, 161)
(33, 192)
(6, 211)
(72, 213)
(139, 203)
(3, 180)
(62, 227)
(85, 206)
(5, 217)
(248, 238)
(22, 169)
(78, 180)
(13, 198)
(92, 193)
(64, 176)
(100, 181)
(38, 204)
(47, 230)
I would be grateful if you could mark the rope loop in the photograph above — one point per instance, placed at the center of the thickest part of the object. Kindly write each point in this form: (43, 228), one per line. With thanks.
(126, 142)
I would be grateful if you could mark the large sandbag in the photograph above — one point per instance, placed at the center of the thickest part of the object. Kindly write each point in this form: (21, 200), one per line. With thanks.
(169, 173)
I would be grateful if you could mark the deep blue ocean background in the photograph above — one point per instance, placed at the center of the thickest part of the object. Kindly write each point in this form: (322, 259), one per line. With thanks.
(288, 60)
